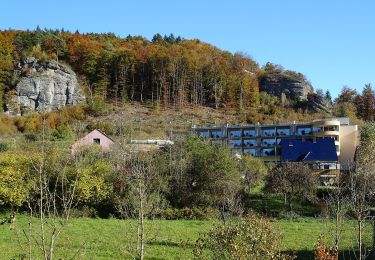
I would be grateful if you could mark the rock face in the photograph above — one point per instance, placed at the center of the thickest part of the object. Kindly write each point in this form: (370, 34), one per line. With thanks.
(317, 103)
(294, 87)
(44, 87)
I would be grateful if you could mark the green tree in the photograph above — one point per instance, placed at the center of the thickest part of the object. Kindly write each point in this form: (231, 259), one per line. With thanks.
(253, 171)
(16, 178)
(294, 180)
(202, 174)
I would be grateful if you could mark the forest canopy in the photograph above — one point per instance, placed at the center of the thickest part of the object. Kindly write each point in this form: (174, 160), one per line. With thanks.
(169, 70)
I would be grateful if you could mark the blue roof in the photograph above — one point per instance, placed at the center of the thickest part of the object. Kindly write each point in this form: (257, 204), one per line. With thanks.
(296, 150)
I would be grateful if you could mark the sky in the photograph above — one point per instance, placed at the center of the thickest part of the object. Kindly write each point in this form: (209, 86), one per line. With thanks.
(330, 41)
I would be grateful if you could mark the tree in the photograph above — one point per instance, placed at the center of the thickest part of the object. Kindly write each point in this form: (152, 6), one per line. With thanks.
(365, 103)
(338, 205)
(140, 188)
(253, 171)
(251, 237)
(16, 180)
(360, 182)
(346, 95)
(50, 201)
(328, 96)
(294, 180)
(94, 184)
(202, 174)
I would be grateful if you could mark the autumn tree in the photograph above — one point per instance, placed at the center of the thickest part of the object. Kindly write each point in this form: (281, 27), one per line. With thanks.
(346, 95)
(365, 103)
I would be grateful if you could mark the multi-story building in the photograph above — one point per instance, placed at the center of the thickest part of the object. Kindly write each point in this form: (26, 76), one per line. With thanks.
(264, 140)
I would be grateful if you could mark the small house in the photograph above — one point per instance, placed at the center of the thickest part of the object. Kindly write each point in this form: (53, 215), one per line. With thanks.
(95, 137)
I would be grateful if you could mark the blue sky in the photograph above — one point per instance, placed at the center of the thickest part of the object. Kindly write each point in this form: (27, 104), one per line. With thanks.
(331, 42)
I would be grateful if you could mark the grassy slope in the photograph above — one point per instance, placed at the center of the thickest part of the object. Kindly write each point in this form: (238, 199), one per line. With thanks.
(166, 239)
(145, 122)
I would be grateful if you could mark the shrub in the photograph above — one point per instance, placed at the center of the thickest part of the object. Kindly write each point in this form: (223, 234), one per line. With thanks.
(207, 213)
(252, 237)
(322, 252)
(98, 107)
(4, 147)
(84, 212)
(30, 137)
(107, 128)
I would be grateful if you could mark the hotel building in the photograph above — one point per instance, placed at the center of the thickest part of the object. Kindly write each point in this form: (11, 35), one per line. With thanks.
(264, 140)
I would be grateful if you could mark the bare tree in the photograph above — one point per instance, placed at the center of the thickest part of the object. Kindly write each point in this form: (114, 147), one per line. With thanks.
(51, 200)
(338, 202)
(143, 185)
(361, 183)
(359, 189)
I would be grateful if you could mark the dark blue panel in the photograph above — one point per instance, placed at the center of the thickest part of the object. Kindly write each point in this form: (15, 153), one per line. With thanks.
(296, 150)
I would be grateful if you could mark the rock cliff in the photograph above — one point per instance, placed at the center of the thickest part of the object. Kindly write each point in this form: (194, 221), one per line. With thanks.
(44, 86)
(318, 103)
(293, 86)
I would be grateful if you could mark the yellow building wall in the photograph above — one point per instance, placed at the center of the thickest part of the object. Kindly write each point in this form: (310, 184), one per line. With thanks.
(349, 139)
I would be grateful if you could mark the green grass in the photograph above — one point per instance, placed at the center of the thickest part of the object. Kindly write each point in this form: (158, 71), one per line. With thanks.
(166, 239)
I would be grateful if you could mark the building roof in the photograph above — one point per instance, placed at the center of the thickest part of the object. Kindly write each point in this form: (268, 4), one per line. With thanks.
(296, 150)
(342, 120)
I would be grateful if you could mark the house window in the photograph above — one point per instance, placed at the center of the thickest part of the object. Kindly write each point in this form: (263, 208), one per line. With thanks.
(326, 167)
(96, 140)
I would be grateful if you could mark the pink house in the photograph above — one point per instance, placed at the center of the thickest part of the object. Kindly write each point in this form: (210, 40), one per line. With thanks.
(95, 137)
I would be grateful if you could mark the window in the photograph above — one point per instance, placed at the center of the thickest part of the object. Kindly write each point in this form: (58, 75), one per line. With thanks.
(249, 133)
(217, 134)
(268, 142)
(268, 152)
(235, 133)
(326, 167)
(96, 140)
(234, 143)
(248, 142)
(268, 132)
(303, 131)
(250, 151)
(283, 131)
(203, 134)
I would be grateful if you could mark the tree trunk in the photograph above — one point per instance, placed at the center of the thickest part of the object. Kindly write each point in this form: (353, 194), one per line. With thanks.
(141, 222)
(360, 226)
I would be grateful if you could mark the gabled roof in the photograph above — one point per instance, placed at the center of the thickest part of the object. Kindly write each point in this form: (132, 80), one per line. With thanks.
(296, 150)
(102, 134)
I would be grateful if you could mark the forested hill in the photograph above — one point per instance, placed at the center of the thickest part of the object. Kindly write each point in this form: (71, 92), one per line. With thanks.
(168, 70)
(172, 72)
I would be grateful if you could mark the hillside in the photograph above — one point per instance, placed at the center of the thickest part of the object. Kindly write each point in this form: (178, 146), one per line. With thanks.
(164, 83)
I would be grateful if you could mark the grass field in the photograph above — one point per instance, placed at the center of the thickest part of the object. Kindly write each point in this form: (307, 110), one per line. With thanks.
(86, 238)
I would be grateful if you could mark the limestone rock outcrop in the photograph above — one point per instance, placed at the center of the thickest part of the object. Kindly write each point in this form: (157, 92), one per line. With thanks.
(292, 86)
(44, 87)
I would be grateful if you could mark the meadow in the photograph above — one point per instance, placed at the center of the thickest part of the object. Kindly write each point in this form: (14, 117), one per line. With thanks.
(90, 238)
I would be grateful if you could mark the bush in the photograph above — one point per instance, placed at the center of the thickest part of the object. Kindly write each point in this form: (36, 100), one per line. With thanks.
(84, 212)
(107, 128)
(31, 137)
(189, 213)
(98, 107)
(252, 237)
(4, 147)
(323, 252)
